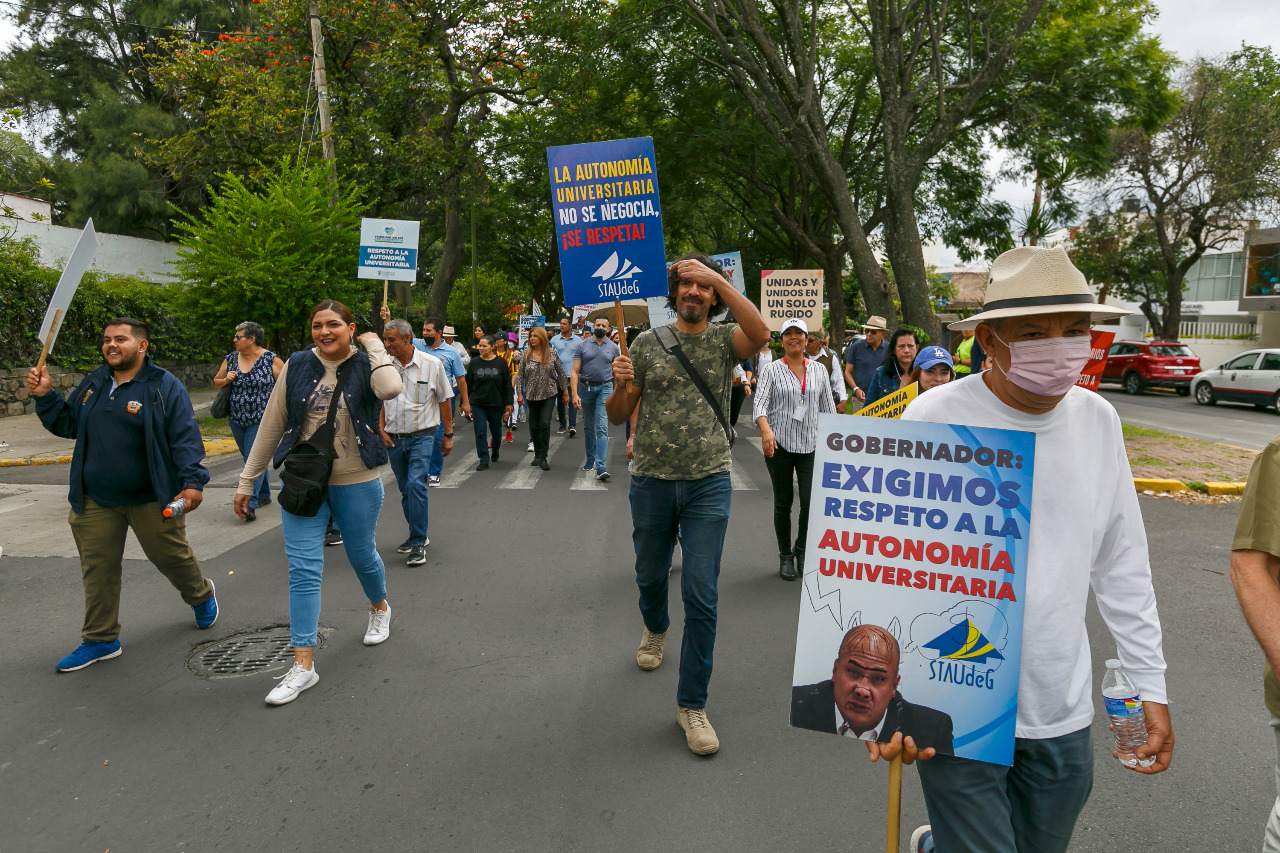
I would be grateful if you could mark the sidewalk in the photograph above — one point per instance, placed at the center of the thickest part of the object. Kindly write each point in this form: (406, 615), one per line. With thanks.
(29, 443)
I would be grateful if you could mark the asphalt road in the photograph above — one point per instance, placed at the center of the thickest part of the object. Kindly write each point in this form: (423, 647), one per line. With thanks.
(506, 711)
(1229, 423)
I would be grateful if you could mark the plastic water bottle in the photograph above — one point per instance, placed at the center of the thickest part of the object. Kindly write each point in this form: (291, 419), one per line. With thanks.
(1124, 707)
(175, 509)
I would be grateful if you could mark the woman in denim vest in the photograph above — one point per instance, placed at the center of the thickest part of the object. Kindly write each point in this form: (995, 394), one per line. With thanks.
(298, 406)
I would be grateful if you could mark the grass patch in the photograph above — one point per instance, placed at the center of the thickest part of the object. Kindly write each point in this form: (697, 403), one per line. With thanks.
(1131, 431)
(214, 427)
(1197, 486)
(1146, 460)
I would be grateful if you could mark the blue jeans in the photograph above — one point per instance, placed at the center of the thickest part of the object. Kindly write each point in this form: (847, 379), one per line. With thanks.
(437, 453)
(356, 509)
(410, 459)
(563, 408)
(1031, 807)
(699, 511)
(595, 423)
(244, 437)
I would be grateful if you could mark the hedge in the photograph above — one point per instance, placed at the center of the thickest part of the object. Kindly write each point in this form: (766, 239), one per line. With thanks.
(25, 290)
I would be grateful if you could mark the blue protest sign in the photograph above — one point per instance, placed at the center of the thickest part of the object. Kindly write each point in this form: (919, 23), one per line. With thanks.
(604, 197)
(915, 569)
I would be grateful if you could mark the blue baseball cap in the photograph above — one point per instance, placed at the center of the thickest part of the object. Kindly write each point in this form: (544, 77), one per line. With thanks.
(932, 357)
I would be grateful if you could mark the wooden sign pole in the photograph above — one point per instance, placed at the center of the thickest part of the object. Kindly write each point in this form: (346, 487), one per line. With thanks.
(48, 342)
(384, 291)
(893, 816)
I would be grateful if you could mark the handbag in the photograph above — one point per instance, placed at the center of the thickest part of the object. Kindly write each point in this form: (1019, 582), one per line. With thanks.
(305, 479)
(221, 406)
(671, 345)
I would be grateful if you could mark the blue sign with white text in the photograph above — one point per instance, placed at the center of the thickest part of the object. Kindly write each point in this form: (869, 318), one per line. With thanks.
(604, 197)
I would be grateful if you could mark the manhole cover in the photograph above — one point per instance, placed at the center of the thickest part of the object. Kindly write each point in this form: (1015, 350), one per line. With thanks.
(248, 653)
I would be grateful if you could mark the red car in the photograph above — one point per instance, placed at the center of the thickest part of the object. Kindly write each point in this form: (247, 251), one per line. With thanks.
(1138, 365)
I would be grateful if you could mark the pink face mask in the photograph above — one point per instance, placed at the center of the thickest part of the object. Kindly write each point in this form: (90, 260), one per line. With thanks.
(1049, 366)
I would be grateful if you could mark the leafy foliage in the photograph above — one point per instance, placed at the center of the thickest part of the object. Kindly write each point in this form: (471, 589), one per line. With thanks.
(268, 250)
(25, 290)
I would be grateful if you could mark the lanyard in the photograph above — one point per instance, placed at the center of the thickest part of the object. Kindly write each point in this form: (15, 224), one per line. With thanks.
(802, 379)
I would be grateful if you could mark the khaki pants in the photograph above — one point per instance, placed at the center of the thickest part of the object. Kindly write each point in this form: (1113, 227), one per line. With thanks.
(100, 534)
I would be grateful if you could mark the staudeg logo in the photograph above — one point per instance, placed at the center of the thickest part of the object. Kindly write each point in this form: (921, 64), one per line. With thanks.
(612, 270)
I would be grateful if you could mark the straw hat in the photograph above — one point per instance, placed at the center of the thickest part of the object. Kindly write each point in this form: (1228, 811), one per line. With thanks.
(876, 324)
(1033, 280)
(449, 332)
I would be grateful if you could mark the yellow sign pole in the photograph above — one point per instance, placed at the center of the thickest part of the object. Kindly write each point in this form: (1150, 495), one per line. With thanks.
(893, 816)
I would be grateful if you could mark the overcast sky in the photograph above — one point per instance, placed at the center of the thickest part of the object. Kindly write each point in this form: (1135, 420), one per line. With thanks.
(1187, 27)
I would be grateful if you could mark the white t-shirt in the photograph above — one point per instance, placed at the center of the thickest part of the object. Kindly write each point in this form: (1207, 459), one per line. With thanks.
(1086, 532)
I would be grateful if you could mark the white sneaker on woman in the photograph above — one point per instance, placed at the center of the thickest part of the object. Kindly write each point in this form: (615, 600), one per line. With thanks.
(292, 683)
(379, 627)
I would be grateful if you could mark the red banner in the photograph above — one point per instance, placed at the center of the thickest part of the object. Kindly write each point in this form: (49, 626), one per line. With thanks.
(1091, 376)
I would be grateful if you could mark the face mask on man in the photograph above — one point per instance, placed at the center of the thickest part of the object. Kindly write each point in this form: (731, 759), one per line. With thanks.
(598, 332)
(1049, 366)
(431, 340)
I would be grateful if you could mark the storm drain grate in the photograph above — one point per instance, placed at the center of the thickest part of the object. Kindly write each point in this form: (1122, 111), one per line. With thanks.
(265, 650)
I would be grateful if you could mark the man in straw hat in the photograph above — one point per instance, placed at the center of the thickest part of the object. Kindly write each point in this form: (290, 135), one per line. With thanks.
(1085, 532)
(863, 357)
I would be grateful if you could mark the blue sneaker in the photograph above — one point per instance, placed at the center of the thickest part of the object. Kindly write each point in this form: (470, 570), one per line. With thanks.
(89, 653)
(207, 613)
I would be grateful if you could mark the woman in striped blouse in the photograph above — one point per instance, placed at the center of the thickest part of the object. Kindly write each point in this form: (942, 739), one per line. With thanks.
(790, 394)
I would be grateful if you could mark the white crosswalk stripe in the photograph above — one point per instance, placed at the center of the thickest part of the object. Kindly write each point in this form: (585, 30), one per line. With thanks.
(524, 475)
(585, 481)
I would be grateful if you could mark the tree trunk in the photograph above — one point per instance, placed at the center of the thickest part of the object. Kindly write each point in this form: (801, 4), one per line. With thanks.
(1034, 221)
(902, 240)
(1171, 322)
(451, 257)
(833, 290)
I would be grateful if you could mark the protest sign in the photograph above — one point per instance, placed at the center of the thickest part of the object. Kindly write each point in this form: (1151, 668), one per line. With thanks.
(527, 322)
(1091, 376)
(660, 314)
(891, 405)
(604, 197)
(731, 264)
(791, 293)
(68, 282)
(388, 249)
(915, 561)
(581, 311)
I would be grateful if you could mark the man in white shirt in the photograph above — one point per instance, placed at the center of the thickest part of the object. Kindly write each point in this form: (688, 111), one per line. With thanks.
(1085, 532)
(411, 425)
(451, 339)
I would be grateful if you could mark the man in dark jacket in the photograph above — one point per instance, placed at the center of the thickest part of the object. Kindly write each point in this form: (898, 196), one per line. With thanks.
(862, 700)
(137, 449)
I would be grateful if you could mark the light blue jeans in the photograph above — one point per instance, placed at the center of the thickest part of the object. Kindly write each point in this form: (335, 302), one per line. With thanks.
(595, 422)
(244, 437)
(355, 508)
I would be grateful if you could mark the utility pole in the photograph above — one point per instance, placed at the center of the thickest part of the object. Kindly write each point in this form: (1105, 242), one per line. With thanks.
(322, 84)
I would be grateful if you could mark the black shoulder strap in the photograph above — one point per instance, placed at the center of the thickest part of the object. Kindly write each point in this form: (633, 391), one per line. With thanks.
(671, 345)
(339, 384)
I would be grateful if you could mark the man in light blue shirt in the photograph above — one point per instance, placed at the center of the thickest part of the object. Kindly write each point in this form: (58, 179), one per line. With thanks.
(432, 342)
(566, 344)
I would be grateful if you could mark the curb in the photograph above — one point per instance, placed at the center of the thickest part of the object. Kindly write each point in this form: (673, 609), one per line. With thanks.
(212, 447)
(1158, 485)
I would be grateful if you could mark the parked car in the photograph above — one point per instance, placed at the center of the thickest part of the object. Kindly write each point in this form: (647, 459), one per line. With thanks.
(1138, 365)
(1253, 377)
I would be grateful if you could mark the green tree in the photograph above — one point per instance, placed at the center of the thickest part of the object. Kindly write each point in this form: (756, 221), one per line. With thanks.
(1199, 177)
(268, 250)
(81, 73)
(1119, 252)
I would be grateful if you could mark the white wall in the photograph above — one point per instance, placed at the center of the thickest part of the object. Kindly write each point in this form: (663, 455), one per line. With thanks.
(146, 259)
(25, 207)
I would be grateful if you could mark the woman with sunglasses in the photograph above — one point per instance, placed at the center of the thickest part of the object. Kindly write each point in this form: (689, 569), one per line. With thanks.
(251, 371)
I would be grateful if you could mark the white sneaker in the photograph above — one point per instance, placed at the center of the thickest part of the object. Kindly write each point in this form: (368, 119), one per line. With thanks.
(379, 627)
(292, 683)
(529, 449)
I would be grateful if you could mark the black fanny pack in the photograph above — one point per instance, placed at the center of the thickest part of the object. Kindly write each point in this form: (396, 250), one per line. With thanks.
(305, 479)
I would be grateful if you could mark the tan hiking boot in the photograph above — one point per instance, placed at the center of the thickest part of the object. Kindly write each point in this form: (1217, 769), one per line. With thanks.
(698, 733)
(649, 655)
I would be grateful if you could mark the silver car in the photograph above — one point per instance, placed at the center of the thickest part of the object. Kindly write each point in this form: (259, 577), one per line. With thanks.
(1253, 377)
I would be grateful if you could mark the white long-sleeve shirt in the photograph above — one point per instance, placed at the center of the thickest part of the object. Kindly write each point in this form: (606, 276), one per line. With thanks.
(1086, 532)
(778, 394)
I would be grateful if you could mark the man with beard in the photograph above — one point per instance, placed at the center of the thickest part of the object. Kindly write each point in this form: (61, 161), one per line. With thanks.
(137, 449)
(680, 483)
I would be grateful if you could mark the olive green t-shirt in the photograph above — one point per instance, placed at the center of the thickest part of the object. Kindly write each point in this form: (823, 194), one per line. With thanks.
(678, 436)
(1258, 529)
